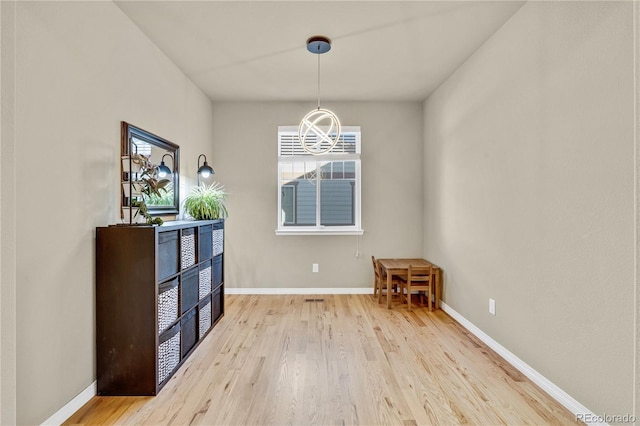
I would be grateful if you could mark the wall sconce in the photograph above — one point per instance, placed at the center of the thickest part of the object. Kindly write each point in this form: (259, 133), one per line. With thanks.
(163, 170)
(205, 170)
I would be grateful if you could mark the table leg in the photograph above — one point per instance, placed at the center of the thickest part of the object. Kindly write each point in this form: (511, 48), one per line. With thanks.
(438, 289)
(389, 276)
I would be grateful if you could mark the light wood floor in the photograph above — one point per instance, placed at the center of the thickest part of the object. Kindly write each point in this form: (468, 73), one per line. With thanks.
(276, 360)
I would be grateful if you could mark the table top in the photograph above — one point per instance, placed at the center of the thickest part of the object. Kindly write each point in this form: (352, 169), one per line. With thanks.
(404, 263)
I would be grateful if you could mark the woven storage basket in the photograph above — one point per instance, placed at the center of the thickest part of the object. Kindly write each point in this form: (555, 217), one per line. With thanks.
(188, 248)
(205, 319)
(204, 285)
(169, 354)
(167, 305)
(218, 241)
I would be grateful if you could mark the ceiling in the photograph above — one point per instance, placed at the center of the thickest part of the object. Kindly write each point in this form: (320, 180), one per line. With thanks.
(256, 50)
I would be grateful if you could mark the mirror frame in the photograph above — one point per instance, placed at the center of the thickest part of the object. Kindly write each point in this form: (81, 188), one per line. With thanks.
(128, 131)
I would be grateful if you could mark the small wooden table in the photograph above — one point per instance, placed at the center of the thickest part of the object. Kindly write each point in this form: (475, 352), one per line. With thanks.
(400, 267)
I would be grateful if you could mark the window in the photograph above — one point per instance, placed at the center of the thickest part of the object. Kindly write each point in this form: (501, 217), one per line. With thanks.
(319, 194)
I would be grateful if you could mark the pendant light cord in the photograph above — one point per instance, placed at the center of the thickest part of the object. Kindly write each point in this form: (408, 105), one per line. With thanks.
(318, 77)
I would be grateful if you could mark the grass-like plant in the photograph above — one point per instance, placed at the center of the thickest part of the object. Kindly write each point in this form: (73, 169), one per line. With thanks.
(206, 202)
(165, 199)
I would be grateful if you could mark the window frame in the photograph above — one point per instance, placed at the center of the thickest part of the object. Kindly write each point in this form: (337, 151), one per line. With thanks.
(319, 229)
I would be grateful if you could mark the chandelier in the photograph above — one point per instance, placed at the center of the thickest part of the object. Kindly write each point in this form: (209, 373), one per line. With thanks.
(319, 130)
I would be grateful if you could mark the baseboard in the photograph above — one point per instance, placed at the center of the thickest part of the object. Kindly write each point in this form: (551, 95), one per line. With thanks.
(72, 406)
(579, 410)
(323, 290)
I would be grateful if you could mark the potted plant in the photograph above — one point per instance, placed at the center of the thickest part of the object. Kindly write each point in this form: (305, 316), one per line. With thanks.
(150, 186)
(207, 202)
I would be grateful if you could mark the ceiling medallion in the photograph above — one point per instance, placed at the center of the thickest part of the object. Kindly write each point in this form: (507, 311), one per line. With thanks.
(319, 130)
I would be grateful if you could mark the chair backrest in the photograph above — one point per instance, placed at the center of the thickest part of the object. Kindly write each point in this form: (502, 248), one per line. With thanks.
(376, 271)
(419, 273)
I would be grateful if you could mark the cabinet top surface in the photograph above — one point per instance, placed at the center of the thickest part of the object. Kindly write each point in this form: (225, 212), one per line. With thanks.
(167, 226)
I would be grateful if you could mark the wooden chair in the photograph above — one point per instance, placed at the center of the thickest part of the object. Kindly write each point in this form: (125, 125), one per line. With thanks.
(376, 276)
(418, 278)
(380, 280)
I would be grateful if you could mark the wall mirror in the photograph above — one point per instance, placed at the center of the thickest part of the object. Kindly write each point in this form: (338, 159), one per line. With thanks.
(135, 140)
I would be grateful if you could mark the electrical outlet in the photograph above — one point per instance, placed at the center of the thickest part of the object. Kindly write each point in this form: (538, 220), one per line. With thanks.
(315, 268)
(492, 306)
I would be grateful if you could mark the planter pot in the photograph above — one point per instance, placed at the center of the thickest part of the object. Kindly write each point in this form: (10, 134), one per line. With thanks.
(135, 188)
(126, 163)
(135, 216)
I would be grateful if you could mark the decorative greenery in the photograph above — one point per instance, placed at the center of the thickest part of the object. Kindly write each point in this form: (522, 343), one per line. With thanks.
(207, 202)
(152, 186)
(144, 211)
(166, 199)
(148, 177)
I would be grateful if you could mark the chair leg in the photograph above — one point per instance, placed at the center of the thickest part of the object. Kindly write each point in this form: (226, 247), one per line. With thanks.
(409, 297)
(375, 286)
(429, 298)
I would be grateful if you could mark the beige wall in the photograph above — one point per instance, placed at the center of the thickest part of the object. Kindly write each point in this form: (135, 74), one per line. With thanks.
(245, 160)
(7, 220)
(80, 68)
(529, 194)
(636, 32)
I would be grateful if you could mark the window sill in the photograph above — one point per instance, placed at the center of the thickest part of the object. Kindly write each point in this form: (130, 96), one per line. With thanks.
(315, 231)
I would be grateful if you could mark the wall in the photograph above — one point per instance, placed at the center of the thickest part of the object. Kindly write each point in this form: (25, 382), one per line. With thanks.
(80, 68)
(245, 160)
(7, 220)
(636, 56)
(529, 194)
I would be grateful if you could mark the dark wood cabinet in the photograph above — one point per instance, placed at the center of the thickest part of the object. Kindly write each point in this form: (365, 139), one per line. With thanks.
(159, 292)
